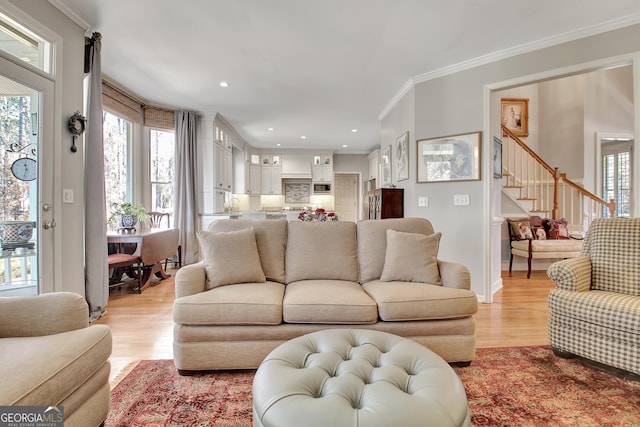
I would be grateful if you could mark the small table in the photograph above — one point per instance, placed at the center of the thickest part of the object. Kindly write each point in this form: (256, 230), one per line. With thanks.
(154, 246)
(357, 378)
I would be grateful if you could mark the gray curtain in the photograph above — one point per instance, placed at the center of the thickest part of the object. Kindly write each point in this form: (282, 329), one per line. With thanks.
(95, 222)
(186, 212)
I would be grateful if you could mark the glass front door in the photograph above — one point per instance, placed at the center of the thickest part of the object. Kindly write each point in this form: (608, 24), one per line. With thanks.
(19, 132)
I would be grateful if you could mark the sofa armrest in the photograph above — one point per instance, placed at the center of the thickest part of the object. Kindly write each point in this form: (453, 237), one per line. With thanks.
(573, 274)
(454, 275)
(191, 279)
(45, 314)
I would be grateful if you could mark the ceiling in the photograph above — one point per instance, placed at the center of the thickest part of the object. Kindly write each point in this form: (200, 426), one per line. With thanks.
(317, 68)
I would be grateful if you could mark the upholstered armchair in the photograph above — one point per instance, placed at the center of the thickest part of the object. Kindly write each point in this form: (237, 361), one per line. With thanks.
(50, 356)
(595, 310)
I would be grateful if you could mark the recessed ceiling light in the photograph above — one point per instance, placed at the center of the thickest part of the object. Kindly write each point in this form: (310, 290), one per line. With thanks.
(344, 145)
(354, 130)
(224, 84)
(303, 137)
(270, 129)
(278, 145)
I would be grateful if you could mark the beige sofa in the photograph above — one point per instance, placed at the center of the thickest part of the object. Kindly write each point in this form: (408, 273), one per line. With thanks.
(262, 283)
(49, 356)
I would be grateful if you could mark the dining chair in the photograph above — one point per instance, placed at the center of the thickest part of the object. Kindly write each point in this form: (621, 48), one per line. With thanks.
(155, 221)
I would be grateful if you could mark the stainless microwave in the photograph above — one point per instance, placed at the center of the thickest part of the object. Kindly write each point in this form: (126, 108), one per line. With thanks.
(321, 188)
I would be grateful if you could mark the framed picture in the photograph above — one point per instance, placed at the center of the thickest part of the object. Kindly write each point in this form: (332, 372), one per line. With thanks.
(449, 158)
(385, 165)
(402, 157)
(497, 158)
(515, 115)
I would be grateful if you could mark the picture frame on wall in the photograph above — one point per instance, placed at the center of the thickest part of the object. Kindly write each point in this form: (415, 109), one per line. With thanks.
(449, 158)
(402, 157)
(497, 158)
(385, 166)
(515, 115)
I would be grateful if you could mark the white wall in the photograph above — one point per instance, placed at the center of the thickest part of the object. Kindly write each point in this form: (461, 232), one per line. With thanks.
(454, 104)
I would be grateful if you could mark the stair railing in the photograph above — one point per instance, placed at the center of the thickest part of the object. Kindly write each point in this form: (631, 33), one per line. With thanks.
(550, 191)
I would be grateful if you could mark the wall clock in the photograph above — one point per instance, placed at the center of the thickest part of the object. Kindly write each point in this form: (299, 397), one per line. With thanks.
(25, 169)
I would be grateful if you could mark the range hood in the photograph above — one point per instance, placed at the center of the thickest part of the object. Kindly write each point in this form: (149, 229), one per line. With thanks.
(296, 166)
(292, 175)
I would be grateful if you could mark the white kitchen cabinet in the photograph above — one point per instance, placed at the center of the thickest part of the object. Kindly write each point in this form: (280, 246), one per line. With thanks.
(223, 171)
(255, 180)
(271, 179)
(374, 164)
(322, 169)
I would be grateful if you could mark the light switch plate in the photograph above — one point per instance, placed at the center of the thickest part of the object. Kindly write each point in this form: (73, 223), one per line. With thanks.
(67, 195)
(423, 201)
(460, 199)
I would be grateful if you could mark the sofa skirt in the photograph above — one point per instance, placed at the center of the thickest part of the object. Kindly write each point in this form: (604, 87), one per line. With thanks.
(244, 347)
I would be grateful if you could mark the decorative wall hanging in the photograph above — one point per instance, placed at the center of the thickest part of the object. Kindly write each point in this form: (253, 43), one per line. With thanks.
(497, 158)
(385, 166)
(449, 158)
(402, 157)
(515, 115)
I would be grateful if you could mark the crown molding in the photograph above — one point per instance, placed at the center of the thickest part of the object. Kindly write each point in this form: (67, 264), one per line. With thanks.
(74, 15)
(604, 27)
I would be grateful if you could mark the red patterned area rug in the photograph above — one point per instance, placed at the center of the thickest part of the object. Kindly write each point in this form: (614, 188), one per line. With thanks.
(516, 386)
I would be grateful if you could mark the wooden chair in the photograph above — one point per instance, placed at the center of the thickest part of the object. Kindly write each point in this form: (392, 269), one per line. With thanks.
(121, 263)
(155, 221)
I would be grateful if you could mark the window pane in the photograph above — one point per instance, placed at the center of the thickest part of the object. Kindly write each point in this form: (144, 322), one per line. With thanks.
(24, 44)
(162, 197)
(117, 135)
(162, 156)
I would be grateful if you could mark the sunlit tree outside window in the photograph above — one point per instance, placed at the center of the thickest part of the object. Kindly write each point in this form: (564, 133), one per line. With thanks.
(162, 168)
(117, 141)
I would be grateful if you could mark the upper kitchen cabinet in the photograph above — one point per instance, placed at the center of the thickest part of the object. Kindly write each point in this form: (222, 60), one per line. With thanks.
(222, 160)
(374, 165)
(322, 168)
(271, 174)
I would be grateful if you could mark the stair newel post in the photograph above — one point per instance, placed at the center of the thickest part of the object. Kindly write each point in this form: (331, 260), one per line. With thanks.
(555, 213)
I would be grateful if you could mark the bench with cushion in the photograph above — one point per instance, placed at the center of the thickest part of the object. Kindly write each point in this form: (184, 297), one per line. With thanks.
(537, 238)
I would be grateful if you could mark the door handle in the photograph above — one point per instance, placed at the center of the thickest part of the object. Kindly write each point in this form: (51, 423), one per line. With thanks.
(48, 224)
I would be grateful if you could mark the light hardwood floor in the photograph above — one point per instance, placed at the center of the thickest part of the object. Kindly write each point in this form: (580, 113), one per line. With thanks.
(142, 326)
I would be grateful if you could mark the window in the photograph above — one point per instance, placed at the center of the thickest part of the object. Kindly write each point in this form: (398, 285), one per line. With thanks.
(117, 159)
(616, 176)
(25, 45)
(162, 168)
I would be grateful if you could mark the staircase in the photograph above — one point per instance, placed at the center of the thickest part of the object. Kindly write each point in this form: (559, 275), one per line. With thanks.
(542, 190)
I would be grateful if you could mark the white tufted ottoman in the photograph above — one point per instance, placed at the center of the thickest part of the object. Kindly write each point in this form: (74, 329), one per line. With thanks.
(354, 377)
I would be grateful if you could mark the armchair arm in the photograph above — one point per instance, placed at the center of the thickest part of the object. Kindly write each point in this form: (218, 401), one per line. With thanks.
(573, 274)
(454, 275)
(46, 314)
(191, 279)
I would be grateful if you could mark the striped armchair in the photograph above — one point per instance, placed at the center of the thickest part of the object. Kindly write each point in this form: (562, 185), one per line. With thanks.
(595, 310)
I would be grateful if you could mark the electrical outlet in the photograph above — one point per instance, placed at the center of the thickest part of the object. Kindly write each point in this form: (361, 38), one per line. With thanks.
(423, 201)
(460, 199)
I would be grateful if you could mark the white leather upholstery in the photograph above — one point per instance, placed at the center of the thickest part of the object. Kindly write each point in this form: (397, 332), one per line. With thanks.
(355, 377)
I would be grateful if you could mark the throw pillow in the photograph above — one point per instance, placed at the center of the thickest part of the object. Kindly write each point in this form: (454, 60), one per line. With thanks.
(556, 228)
(230, 257)
(411, 257)
(521, 229)
(539, 233)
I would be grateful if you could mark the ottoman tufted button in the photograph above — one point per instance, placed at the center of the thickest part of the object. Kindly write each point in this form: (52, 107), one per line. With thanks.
(356, 378)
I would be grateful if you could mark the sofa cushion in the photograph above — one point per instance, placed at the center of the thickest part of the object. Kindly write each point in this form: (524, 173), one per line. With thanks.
(372, 242)
(230, 257)
(45, 370)
(411, 257)
(399, 301)
(328, 301)
(561, 246)
(611, 310)
(239, 304)
(321, 250)
(271, 237)
(521, 229)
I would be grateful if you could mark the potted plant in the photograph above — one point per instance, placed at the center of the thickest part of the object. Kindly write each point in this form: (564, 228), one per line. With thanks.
(126, 215)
